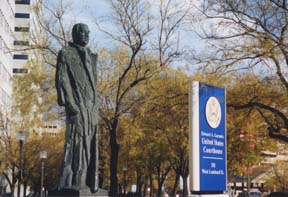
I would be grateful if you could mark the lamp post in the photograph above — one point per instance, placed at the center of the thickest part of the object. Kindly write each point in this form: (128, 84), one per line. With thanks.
(285, 178)
(21, 138)
(124, 174)
(43, 156)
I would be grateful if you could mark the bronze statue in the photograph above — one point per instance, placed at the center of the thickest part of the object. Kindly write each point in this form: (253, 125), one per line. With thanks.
(76, 84)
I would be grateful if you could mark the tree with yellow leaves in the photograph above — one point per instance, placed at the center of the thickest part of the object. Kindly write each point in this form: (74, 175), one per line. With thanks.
(251, 36)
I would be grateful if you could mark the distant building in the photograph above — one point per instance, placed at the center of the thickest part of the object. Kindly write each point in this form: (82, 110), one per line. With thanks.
(270, 159)
(22, 35)
(7, 13)
(19, 29)
(50, 130)
(27, 33)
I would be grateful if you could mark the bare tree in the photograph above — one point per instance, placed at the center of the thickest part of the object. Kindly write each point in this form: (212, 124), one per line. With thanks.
(9, 166)
(135, 24)
(249, 35)
(135, 32)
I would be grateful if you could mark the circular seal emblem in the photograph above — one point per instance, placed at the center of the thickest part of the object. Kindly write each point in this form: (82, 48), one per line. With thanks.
(213, 112)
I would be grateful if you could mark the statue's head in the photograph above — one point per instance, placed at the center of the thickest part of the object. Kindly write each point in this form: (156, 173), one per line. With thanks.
(80, 34)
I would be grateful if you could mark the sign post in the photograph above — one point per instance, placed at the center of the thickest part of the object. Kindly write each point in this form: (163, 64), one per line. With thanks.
(207, 157)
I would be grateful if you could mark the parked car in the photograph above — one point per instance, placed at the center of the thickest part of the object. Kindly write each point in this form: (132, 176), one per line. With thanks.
(253, 193)
(278, 194)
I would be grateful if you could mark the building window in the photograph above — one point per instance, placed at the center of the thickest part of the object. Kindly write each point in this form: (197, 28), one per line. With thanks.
(20, 70)
(22, 15)
(21, 43)
(20, 57)
(21, 29)
(26, 2)
(50, 126)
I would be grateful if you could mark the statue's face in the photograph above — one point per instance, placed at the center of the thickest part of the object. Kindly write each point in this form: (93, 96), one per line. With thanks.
(82, 35)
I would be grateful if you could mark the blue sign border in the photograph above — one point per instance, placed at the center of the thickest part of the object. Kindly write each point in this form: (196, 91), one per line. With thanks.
(212, 142)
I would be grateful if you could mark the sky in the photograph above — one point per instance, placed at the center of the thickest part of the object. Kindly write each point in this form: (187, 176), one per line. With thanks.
(87, 11)
(81, 11)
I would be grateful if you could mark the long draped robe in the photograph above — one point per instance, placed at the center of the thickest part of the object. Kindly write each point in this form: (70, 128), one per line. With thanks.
(76, 84)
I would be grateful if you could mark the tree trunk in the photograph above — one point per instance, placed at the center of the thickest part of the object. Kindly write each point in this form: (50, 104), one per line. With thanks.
(159, 179)
(151, 185)
(159, 192)
(12, 190)
(12, 187)
(24, 188)
(120, 189)
(145, 188)
(185, 188)
(114, 148)
(176, 183)
(160, 184)
(10, 182)
(139, 181)
(13, 182)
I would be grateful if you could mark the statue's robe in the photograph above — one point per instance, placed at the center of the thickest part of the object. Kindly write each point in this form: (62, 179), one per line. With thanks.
(76, 84)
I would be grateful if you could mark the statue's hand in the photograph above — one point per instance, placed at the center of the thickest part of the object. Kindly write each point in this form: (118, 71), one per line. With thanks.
(71, 109)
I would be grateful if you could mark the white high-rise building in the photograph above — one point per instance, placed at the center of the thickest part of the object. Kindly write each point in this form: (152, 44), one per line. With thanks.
(7, 13)
(28, 36)
(18, 25)
(23, 16)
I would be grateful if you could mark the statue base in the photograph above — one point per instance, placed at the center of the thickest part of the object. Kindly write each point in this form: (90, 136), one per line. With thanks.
(77, 193)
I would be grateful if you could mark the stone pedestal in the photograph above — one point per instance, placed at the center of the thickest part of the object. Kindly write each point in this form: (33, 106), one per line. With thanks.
(76, 193)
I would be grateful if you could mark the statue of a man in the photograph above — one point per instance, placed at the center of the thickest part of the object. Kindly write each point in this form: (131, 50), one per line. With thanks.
(76, 84)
